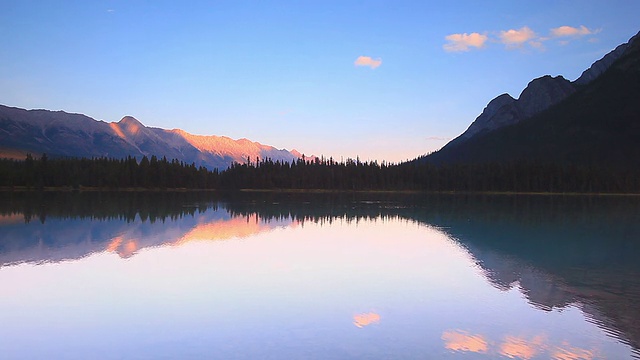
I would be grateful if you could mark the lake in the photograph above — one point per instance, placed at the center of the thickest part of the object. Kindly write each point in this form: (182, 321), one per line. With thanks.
(185, 275)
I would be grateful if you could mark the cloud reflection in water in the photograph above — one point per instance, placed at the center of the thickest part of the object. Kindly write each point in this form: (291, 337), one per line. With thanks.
(366, 319)
(462, 341)
(514, 347)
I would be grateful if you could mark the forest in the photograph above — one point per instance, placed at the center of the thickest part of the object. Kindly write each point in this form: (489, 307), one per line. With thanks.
(315, 174)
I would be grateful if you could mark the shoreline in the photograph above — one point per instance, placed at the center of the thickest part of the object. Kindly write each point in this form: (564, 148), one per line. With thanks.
(312, 191)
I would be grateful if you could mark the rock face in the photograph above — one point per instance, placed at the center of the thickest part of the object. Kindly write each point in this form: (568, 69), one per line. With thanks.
(539, 95)
(58, 133)
(542, 93)
(603, 64)
(498, 112)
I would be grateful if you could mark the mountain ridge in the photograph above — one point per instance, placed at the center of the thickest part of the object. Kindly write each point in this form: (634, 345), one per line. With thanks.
(60, 133)
(555, 120)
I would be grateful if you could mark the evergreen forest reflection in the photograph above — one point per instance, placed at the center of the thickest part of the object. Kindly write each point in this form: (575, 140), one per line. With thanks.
(558, 251)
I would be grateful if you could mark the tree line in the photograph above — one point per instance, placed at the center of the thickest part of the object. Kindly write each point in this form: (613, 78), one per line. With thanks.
(105, 173)
(316, 173)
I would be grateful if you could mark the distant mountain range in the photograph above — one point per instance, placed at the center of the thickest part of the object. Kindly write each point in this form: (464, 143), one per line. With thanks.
(593, 120)
(58, 133)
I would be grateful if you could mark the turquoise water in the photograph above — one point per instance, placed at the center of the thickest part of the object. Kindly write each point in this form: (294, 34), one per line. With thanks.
(295, 276)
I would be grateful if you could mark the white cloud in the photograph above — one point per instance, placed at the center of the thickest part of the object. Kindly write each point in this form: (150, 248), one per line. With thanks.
(515, 38)
(368, 61)
(571, 31)
(463, 42)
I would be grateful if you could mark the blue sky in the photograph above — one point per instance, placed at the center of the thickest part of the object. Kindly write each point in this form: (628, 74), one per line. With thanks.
(384, 80)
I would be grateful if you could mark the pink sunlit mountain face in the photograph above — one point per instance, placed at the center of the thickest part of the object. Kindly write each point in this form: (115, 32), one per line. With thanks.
(58, 133)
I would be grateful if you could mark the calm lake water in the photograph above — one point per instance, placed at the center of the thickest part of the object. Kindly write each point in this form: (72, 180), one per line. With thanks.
(300, 276)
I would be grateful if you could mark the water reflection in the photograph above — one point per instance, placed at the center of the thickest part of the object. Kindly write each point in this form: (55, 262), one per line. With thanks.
(224, 229)
(51, 227)
(458, 340)
(366, 319)
(557, 252)
(515, 347)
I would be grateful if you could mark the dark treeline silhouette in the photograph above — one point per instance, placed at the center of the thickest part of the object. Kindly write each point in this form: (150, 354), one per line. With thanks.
(105, 173)
(414, 175)
(319, 173)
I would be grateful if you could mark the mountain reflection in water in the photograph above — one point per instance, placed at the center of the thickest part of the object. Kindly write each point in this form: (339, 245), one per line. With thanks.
(556, 250)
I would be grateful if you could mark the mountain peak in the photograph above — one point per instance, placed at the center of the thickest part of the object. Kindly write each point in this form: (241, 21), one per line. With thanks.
(486, 120)
(130, 120)
(542, 93)
(130, 125)
(539, 95)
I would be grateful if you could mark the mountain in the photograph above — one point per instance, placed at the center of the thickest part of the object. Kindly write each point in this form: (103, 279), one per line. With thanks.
(593, 120)
(58, 133)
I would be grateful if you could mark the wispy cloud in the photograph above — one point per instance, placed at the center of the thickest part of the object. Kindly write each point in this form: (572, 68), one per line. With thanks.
(566, 34)
(464, 42)
(516, 38)
(437, 138)
(537, 44)
(368, 61)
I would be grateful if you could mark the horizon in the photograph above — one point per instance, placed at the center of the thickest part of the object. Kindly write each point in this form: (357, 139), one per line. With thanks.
(379, 81)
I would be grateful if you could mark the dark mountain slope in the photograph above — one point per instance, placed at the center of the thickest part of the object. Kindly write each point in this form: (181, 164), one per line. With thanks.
(599, 124)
